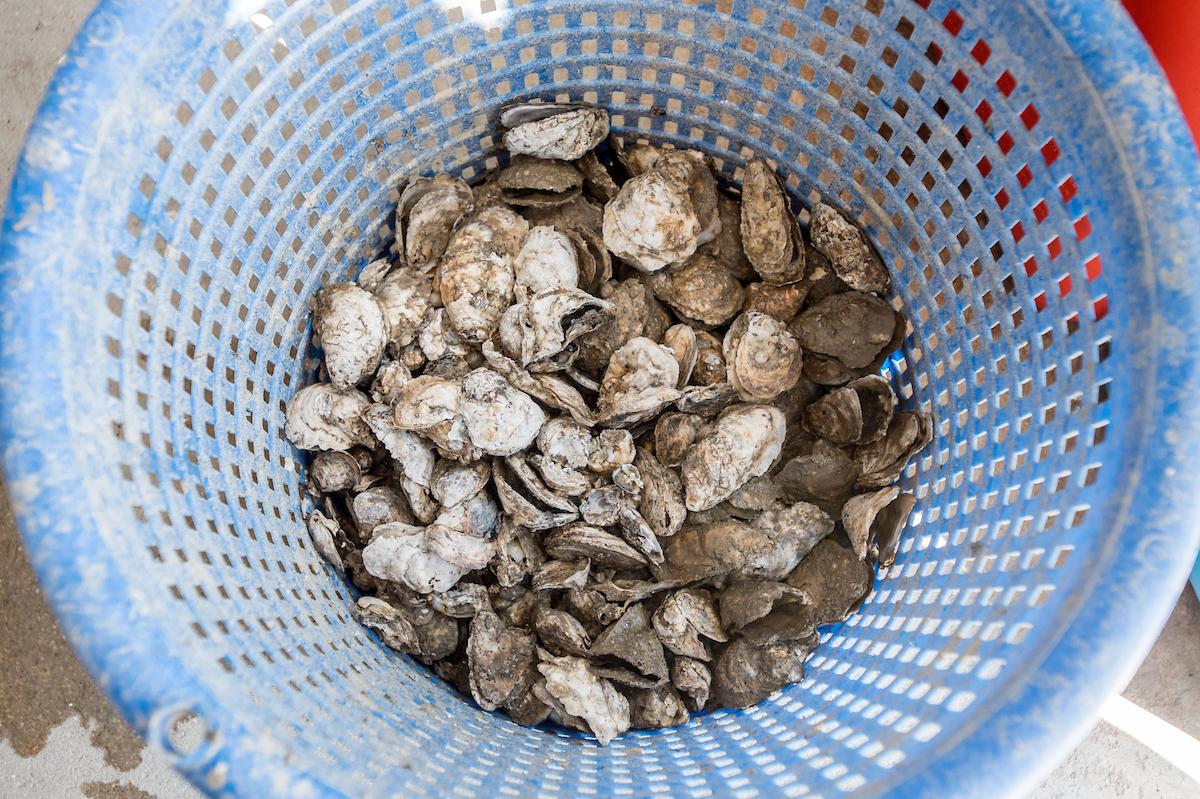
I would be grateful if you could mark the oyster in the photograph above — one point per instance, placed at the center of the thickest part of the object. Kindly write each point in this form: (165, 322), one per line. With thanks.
(404, 297)
(852, 257)
(639, 534)
(683, 617)
(747, 600)
(836, 417)
(461, 602)
(701, 291)
(631, 640)
(825, 476)
(572, 685)
(661, 503)
(496, 228)
(881, 462)
(322, 417)
(601, 506)
(726, 246)
(598, 182)
(743, 443)
(352, 332)
(710, 362)
(565, 446)
(390, 376)
(425, 402)
(376, 506)
(781, 302)
(652, 221)
(877, 403)
(762, 358)
(745, 674)
(601, 548)
(681, 340)
(401, 552)
(859, 515)
(852, 327)
(561, 633)
(561, 575)
(793, 532)
(549, 322)
(834, 578)
(693, 680)
(770, 234)
(501, 660)
(547, 260)
(635, 312)
(529, 181)
(702, 188)
(887, 528)
(324, 533)
(500, 419)
(333, 470)
(550, 390)
(527, 500)
(454, 483)
(640, 382)
(389, 624)
(565, 132)
(413, 454)
(428, 211)
(477, 288)
(656, 708)
(674, 433)
(610, 449)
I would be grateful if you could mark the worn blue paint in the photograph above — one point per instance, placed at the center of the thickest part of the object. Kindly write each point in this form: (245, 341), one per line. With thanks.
(196, 172)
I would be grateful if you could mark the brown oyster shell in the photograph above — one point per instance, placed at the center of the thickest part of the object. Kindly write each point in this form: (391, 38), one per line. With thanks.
(762, 358)
(701, 291)
(770, 233)
(852, 257)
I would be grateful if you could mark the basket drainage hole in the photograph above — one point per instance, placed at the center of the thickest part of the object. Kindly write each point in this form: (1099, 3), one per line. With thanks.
(184, 735)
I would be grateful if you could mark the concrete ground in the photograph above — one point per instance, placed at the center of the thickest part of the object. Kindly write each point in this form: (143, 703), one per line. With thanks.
(59, 737)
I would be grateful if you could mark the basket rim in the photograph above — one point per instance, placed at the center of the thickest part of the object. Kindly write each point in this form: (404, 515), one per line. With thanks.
(129, 663)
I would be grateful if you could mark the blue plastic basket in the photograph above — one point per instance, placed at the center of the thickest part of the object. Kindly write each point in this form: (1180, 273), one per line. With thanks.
(199, 169)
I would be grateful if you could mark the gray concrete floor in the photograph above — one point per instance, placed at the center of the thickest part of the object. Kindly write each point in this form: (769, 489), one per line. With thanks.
(60, 737)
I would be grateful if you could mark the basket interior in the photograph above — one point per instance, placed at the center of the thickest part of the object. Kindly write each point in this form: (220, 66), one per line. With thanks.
(254, 155)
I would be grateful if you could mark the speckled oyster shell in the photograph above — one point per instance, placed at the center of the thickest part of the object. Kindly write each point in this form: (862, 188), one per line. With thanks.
(638, 533)
(836, 417)
(781, 302)
(571, 684)
(476, 286)
(640, 382)
(853, 258)
(707, 401)
(834, 578)
(535, 182)
(376, 506)
(549, 322)
(331, 471)
(710, 361)
(881, 462)
(591, 257)
(500, 419)
(453, 483)
(396, 631)
(526, 500)
(824, 475)
(701, 291)
(598, 182)
(652, 221)
(795, 530)
(461, 602)
(742, 444)
(426, 401)
(564, 445)
(746, 674)
(323, 417)
(635, 312)
(501, 661)
(683, 617)
(887, 528)
(401, 552)
(747, 600)
(853, 327)
(762, 358)
(549, 389)
(859, 514)
(349, 323)
(693, 680)
(413, 455)
(547, 260)
(602, 505)
(496, 228)
(681, 340)
(560, 632)
(770, 233)
(674, 433)
(610, 449)
(578, 213)
(324, 533)
(632, 640)
(428, 211)
(702, 188)
(726, 247)
(661, 502)
(601, 548)
(552, 130)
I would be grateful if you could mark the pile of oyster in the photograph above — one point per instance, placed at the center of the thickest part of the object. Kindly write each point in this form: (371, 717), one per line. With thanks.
(602, 443)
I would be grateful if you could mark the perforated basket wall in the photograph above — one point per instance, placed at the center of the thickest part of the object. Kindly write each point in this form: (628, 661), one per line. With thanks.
(199, 169)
